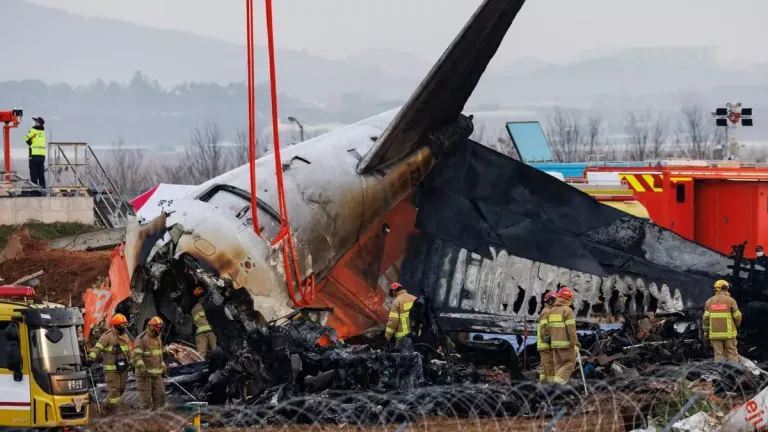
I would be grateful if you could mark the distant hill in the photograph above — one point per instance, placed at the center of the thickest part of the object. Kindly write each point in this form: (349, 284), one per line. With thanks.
(75, 49)
(78, 50)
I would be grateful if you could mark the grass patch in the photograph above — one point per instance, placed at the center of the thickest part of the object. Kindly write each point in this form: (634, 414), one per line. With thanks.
(42, 231)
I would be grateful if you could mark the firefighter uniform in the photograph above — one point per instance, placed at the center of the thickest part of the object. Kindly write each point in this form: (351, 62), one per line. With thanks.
(543, 338)
(721, 321)
(204, 337)
(562, 330)
(399, 323)
(112, 347)
(150, 368)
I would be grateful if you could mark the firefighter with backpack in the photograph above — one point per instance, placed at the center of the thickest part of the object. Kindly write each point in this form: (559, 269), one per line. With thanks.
(544, 340)
(721, 322)
(114, 348)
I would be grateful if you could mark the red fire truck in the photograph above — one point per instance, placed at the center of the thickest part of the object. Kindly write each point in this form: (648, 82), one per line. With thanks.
(716, 204)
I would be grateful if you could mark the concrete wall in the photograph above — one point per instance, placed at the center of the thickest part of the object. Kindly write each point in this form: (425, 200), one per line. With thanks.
(46, 209)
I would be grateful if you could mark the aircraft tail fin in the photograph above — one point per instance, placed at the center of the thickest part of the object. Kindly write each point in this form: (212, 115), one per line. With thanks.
(441, 96)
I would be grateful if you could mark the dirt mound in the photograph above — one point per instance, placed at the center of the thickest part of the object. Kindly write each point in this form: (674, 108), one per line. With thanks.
(65, 274)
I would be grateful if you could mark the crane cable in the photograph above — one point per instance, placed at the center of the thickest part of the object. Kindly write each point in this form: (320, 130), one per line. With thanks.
(307, 287)
(251, 113)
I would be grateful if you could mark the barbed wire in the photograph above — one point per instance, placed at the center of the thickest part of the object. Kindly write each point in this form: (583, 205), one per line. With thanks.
(618, 403)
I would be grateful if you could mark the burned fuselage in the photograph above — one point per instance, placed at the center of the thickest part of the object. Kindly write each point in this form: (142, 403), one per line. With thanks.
(329, 205)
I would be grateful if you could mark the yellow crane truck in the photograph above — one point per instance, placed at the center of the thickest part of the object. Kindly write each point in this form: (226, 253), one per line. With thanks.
(42, 380)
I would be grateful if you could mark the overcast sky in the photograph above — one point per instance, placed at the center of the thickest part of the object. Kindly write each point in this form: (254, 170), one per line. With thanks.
(552, 30)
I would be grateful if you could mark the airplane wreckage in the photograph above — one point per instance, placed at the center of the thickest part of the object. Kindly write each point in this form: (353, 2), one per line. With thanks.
(403, 196)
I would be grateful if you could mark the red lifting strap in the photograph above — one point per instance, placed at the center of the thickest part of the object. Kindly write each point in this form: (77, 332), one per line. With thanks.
(307, 288)
(251, 113)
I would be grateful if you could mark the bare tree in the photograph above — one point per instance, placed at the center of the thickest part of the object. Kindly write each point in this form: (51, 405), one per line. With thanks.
(563, 131)
(127, 169)
(593, 143)
(659, 136)
(241, 152)
(696, 132)
(172, 172)
(638, 129)
(205, 155)
(504, 145)
(478, 134)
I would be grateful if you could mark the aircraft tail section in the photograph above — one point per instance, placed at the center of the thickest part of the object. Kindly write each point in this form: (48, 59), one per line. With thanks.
(440, 98)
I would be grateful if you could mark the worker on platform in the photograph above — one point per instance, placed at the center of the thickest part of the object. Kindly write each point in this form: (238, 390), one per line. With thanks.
(204, 337)
(543, 340)
(562, 332)
(149, 365)
(114, 347)
(721, 321)
(35, 139)
(399, 323)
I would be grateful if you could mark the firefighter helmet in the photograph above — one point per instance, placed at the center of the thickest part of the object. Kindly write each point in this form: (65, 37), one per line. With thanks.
(722, 285)
(156, 323)
(199, 291)
(119, 320)
(565, 293)
(393, 288)
(550, 296)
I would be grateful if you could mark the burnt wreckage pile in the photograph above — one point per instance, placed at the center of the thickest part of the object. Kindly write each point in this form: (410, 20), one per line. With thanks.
(277, 373)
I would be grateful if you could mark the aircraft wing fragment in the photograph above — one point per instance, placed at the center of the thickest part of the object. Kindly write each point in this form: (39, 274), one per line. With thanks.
(485, 202)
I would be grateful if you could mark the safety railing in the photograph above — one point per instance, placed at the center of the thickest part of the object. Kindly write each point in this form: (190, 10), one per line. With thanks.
(75, 170)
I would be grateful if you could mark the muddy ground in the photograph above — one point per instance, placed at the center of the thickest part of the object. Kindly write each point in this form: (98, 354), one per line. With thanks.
(66, 274)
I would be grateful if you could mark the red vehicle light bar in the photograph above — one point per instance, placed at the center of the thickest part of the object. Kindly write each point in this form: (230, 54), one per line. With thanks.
(15, 291)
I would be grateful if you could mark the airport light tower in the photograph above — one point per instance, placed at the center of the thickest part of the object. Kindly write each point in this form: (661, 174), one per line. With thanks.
(731, 117)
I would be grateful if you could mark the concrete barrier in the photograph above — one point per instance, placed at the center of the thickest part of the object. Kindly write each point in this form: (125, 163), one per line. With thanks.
(46, 210)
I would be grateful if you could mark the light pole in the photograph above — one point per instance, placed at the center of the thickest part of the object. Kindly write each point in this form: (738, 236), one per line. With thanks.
(301, 127)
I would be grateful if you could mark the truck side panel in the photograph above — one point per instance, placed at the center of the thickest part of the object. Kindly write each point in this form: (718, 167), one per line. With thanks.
(15, 410)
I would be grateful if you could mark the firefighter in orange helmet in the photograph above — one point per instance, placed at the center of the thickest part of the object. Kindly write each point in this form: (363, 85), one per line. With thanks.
(543, 340)
(399, 323)
(721, 321)
(562, 332)
(204, 337)
(114, 347)
(150, 367)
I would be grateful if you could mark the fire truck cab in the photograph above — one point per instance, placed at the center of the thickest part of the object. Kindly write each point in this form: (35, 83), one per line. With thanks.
(42, 380)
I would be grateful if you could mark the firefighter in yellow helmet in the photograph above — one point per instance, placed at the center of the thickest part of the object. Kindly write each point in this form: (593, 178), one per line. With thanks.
(150, 367)
(721, 321)
(562, 332)
(399, 323)
(543, 340)
(204, 337)
(114, 347)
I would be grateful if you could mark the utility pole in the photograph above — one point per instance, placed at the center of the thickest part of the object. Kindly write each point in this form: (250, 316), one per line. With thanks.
(731, 117)
(300, 126)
